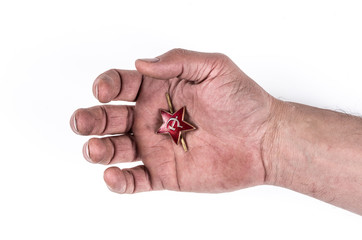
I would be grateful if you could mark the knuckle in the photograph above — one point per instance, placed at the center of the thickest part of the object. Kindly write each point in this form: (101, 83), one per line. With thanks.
(219, 61)
(222, 57)
(129, 118)
(130, 181)
(178, 51)
(123, 119)
(126, 149)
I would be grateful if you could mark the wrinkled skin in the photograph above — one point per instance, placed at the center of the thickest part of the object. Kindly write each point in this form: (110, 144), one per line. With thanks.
(231, 112)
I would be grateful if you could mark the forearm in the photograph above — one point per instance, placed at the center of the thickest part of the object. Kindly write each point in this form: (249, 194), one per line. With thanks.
(316, 152)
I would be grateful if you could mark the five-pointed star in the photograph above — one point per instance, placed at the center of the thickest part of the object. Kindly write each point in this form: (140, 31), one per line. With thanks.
(174, 124)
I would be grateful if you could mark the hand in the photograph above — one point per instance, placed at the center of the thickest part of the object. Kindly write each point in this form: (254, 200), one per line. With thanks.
(231, 112)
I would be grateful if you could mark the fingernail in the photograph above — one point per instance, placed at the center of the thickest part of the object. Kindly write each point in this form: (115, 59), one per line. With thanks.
(96, 93)
(86, 152)
(150, 60)
(75, 128)
(110, 189)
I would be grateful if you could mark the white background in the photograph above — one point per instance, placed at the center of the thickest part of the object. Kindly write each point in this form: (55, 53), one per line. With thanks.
(50, 53)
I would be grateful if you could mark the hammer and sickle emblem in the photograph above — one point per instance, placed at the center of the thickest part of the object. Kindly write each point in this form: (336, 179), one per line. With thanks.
(174, 121)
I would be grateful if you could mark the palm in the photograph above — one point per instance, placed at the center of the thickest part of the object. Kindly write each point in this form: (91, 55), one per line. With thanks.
(224, 152)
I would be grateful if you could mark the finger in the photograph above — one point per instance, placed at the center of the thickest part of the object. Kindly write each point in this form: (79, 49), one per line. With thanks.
(101, 120)
(117, 84)
(110, 150)
(130, 180)
(189, 65)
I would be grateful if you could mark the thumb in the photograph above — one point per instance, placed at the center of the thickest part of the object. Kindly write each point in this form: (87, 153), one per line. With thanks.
(185, 64)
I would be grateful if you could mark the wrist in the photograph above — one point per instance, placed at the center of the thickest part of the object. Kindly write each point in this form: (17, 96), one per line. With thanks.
(314, 151)
(273, 148)
(289, 146)
(306, 148)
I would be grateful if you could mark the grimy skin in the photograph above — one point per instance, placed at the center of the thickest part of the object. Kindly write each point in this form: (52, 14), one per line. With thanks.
(244, 136)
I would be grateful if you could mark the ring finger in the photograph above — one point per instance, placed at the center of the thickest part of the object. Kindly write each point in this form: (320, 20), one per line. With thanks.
(110, 150)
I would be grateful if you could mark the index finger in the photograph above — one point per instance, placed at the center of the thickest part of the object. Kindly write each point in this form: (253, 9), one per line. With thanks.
(117, 84)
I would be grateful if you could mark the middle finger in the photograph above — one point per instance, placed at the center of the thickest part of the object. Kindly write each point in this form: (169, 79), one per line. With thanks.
(102, 120)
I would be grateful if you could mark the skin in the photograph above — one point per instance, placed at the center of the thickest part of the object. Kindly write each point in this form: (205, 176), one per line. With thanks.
(244, 136)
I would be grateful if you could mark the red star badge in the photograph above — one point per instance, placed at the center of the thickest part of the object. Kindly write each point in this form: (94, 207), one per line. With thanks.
(174, 124)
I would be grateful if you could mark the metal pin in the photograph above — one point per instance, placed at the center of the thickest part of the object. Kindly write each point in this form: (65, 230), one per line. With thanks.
(183, 142)
(169, 102)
